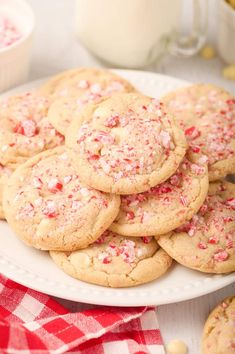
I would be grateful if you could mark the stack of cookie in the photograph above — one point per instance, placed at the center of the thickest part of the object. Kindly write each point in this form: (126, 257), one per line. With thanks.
(129, 189)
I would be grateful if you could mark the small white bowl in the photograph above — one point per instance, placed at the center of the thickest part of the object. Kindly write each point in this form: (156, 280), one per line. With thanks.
(226, 32)
(15, 58)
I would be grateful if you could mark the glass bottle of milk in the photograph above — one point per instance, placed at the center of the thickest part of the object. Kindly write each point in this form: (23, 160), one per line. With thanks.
(134, 33)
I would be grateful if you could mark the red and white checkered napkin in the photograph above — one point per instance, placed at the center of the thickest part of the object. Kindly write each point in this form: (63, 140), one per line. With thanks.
(34, 323)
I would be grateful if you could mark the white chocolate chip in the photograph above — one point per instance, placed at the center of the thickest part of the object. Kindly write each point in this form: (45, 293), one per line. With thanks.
(80, 260)
(176, 346)
(45, 226)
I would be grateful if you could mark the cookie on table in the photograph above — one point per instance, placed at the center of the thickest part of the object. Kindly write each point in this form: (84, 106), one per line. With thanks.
(207, 242)
(218, 333)
(5, 173)
(115, 261)
(207, 115)
(24, 129)
(48, 207)
(84, 80)
(167, 205)
(125, 144)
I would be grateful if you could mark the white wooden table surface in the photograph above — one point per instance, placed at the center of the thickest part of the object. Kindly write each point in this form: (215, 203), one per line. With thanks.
(56, 48)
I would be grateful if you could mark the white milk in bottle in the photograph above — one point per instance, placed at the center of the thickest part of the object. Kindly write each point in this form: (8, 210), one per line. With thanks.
(128, 33)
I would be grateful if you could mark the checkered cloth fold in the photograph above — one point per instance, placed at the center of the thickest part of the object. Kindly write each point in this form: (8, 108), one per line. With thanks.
(34, 323)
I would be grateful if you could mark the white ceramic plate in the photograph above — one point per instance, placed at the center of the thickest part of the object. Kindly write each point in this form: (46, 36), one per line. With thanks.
(35, 269)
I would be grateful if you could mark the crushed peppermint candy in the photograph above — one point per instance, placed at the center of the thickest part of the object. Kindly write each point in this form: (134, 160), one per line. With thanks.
(83, 84)
(192, 132)
(120, 153)
(112, 121)
(221, 256)
(147, 239)
(202, 245)
(126, 249)
(9, 33)
(54, 185)
(28, 210)
(165, 138)
(135, 207)
(49, 209)
(212, 224)
(130, 215)
(231, 203)
(26, 127)
(37, 182)
(213, 240)
(214, 131)
(25, 124)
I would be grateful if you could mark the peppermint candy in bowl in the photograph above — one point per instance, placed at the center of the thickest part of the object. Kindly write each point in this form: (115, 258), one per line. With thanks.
(16, 28)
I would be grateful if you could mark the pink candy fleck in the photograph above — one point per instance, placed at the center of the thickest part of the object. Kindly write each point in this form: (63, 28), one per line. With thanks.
(126, 250)
(28, 128)
(130, 215)
(146, 239)
(29, 210)
(112, 121)
(202, 245)
(95, 88)
(192, 132)
(83, 84)
(203, 209)
(175, 180)
(107, 260)
(213, 240)
(54, 185)
(104, 138)
(37, 183)
(197, 169)
(9, 34)
(165, 138)
(49, 210)
(67, 179)
(221, 256)
(76, 204)
(183, 200)
(231, 203)
(203, 159)
(196, 149)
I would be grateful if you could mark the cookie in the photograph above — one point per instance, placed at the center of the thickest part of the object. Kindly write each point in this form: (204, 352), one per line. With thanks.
(115, 261)
(49, 208)
(85, 81)
(167, 205)
(88, 85)
(5, 173)
(207, 242)
(207, 115)
(218, 333)
(125, 144)
(24, 129)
